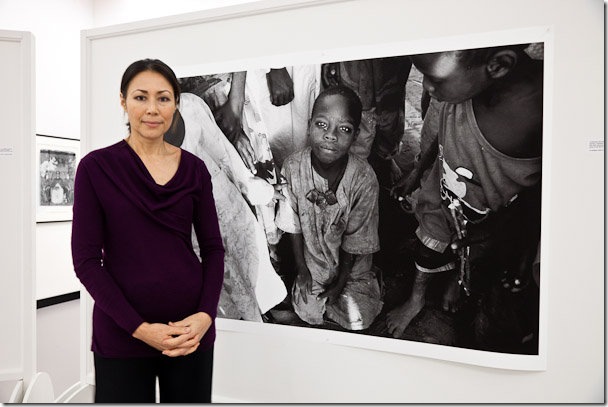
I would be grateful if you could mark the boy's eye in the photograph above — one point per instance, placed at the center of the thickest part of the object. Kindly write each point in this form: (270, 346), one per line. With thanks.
(346, 129)
(322, 125)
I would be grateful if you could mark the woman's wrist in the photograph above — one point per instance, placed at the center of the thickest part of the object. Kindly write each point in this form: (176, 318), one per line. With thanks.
(204, 316)
(140, 331)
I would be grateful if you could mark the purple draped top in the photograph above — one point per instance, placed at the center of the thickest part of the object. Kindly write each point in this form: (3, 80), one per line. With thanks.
(132, 247)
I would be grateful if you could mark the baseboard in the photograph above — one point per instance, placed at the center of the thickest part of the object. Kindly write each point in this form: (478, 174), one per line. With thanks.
(58, 299)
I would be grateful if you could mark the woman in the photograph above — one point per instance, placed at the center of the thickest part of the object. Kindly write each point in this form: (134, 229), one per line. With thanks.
(135, 205)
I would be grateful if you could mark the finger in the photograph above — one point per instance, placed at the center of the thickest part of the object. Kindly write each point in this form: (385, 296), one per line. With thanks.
(303, 295)
(187, 344)
(192, 349)
(177, 330)
(180, 351)
(250, 156)
(246, 157)
(396, 190)
(181, 323)
(285, 98)
(398, 332)
(232, 132)
(175, 342)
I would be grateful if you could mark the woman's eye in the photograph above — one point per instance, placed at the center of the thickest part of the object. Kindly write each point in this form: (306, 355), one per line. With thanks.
(165, 99)
(140, 98)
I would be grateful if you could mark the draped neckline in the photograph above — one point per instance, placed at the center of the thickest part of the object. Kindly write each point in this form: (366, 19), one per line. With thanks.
(147, 173)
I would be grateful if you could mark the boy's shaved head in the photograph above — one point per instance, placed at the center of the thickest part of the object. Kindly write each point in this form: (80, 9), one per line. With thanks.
(478, 56)
(455, 76)
(352, 101)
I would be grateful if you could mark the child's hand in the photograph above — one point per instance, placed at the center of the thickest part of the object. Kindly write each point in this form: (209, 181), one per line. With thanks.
(280, 86)
(332, 293)
(330, 74)
(304, 281)
(229, 120)
(243, 147)
(405, 185)
(278, 193)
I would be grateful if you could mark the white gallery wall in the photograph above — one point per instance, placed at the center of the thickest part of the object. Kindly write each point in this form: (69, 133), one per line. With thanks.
(17, 267)
(56, 25)
(110, 12)
(254, 365)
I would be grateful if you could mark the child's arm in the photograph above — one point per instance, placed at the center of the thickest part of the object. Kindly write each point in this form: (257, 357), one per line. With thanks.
(230, 115)
(229, 118)
(407, 184)
(303, 277)
(335, 288)
(429, 148)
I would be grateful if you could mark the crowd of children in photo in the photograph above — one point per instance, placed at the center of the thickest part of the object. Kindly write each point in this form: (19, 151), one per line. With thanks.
(326, 224)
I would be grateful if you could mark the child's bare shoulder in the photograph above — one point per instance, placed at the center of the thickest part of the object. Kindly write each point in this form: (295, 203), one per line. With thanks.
(514, 126)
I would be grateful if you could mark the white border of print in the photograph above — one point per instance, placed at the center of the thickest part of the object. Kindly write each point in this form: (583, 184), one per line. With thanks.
(450, 353)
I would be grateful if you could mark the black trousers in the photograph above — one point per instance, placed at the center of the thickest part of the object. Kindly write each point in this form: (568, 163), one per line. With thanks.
(182, 379)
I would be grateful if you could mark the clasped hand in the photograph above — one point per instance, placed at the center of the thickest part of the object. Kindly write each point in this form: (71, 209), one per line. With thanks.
(175, 338)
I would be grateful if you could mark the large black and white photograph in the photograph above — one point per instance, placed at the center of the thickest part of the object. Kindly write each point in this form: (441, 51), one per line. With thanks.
(395, 197)
(57, 160)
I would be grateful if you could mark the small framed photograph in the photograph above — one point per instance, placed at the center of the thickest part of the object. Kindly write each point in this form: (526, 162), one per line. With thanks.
(57, 159)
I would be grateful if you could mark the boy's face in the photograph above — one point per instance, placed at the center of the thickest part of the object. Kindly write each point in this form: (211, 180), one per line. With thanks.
(447, 79)
(331, 129)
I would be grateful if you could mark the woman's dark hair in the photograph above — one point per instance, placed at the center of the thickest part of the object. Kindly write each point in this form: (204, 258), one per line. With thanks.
(352, 101)
(153, 65)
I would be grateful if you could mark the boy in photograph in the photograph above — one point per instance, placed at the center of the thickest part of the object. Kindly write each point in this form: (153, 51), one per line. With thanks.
(482, 140)
(331, 216)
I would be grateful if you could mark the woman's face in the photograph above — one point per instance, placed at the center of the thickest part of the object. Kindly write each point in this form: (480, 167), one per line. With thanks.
(150, 104)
